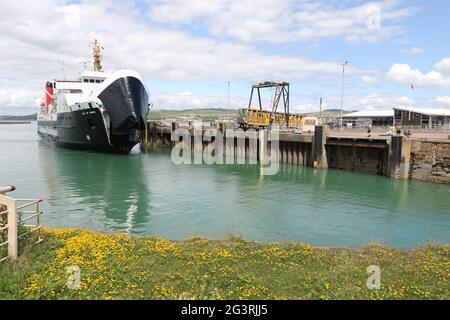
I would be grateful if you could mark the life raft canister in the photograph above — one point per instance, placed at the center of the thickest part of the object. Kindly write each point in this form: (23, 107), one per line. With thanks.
(48, 95)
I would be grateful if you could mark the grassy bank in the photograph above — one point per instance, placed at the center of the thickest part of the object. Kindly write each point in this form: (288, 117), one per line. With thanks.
(117, 266)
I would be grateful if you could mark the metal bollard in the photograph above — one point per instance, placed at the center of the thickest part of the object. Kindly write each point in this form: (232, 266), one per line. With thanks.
(5, 189)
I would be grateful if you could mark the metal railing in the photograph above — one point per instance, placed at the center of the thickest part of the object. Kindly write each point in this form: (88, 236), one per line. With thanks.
(425, 129)
(22, 219)
(3, 230)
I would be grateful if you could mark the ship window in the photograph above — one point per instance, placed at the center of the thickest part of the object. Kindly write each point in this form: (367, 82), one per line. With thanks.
(91, 123)
(98, 81)
(91, 80)
(85, 80)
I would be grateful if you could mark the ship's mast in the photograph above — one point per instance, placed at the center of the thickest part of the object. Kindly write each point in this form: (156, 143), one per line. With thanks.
(97, 55)
(63, 70)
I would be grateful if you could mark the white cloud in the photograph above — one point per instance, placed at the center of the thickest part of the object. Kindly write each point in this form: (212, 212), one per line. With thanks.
(443, 100)
(372, 101)
(184, 100)
(17, 99)
(279, 21)
(443, 66)
(376, 101)
(35, 37)
(414, 50)
(405, 75)
(369, 80)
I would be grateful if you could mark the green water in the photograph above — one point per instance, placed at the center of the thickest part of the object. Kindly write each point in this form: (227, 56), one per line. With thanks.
(146, 194)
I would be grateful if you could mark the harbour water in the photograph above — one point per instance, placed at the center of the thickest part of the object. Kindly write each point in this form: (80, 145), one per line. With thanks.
(146, 194)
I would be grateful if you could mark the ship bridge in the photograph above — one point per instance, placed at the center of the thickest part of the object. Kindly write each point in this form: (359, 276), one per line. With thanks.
(93, 77)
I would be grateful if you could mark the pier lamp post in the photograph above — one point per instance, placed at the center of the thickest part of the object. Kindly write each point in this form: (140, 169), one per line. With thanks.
(342, 93)
(228, 102)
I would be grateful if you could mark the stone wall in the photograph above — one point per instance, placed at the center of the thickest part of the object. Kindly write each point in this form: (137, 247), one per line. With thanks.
(430, 161)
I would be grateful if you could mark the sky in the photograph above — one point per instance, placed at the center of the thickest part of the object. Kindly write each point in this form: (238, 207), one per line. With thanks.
(188, 50)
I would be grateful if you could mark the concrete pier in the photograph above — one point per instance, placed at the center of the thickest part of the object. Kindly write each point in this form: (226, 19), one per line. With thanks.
(319, 153)
(397, 157)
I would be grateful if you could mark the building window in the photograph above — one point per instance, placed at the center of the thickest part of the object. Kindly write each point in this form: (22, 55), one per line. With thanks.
(398, 116)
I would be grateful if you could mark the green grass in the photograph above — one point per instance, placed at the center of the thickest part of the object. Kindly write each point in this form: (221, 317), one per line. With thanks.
(121, 267)
(207, 115)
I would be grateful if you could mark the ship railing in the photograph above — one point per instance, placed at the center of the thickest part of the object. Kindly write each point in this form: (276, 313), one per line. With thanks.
(19, 218)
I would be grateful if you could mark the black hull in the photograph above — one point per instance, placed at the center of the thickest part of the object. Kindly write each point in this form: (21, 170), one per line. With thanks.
(85, 130)
(126, 101)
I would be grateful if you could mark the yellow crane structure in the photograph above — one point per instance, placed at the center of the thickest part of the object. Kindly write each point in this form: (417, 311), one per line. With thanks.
(96, 51)
(258, 118)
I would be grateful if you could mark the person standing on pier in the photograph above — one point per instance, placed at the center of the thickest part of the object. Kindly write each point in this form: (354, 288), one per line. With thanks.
(398, 129)
(369, 129)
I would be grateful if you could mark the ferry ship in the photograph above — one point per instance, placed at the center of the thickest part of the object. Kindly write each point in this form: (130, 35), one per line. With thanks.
(98, 112)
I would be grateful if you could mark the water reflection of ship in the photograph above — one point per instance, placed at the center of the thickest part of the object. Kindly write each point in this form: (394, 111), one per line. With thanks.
(106, 185)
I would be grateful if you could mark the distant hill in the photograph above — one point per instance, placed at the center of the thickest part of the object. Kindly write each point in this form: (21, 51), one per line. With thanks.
(210, 114)
(207, 114)
(329, 113)
(28, 117)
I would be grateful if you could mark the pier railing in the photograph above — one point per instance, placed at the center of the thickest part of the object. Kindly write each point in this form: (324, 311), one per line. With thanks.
(19, 218)
(414, 129)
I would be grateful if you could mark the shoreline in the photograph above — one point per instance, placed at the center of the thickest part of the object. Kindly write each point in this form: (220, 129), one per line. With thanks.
(118, 266)
(5, 122)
